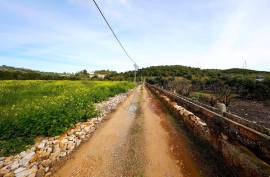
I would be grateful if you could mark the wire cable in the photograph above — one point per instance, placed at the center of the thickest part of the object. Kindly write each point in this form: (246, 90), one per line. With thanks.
(119, 42)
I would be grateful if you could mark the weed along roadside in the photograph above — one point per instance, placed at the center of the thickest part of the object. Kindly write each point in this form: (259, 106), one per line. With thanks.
(53, 113)
(47, 108)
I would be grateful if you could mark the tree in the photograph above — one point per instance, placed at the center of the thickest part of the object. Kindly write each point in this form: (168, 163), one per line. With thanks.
(222, 92)
(83, 74)
(180, 86)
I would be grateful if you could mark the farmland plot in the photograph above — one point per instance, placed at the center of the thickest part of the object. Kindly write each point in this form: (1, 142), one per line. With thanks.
(47, 108)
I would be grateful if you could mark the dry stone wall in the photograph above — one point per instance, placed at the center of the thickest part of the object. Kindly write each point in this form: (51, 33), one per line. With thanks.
(237, 155)
(38, 160)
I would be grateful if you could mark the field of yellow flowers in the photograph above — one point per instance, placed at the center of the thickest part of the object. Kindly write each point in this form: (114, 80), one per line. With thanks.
(47, 108)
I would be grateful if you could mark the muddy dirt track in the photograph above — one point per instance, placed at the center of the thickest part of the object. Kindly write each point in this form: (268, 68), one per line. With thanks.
(141, 139)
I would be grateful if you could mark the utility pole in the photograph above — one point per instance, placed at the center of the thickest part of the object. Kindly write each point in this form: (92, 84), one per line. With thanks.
(118, 41)
(244, 67)
(136, 67)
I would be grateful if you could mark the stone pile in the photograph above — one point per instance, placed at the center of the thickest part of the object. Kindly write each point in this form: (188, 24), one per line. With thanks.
(40, 158)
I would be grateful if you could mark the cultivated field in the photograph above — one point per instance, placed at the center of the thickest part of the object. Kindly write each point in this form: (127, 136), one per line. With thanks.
(47, 108)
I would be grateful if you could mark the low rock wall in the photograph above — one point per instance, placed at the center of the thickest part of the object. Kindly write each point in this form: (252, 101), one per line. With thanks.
(244, 162)
(41, 157)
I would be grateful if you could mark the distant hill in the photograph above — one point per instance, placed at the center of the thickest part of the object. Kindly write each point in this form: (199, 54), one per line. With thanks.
(14, 73)
(10, 73)
(191, 72)
(245, 82)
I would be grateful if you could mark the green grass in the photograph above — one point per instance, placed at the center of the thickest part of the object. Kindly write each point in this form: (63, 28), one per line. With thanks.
(47, 108)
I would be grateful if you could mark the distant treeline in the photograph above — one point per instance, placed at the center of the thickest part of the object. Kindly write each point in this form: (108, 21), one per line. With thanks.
(244, 82)
(189, 72)
(13, 73)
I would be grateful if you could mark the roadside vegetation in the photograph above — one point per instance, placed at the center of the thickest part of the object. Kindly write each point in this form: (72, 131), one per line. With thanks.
(247, 84)
(48, 108)
(14, 73)
(245, 92)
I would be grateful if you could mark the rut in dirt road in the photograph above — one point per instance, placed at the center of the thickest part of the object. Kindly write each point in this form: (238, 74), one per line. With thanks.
(138, 140)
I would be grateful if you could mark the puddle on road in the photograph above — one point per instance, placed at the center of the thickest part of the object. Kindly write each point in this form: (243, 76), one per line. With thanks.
(179, 148)
(133, 106)
(194, 159)
(132, 109)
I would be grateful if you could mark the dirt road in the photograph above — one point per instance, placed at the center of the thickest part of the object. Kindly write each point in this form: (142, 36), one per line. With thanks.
(138, 140)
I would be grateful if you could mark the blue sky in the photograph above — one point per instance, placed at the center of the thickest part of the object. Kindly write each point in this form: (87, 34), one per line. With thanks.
(70, 35)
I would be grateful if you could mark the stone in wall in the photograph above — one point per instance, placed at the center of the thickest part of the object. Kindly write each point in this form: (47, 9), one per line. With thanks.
(237, 156)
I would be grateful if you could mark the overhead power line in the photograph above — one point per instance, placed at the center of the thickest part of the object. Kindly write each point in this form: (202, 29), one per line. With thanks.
(114, 34)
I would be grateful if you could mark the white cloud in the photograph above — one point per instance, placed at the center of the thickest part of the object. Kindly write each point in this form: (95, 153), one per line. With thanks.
(234, 44)
(212, 34)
